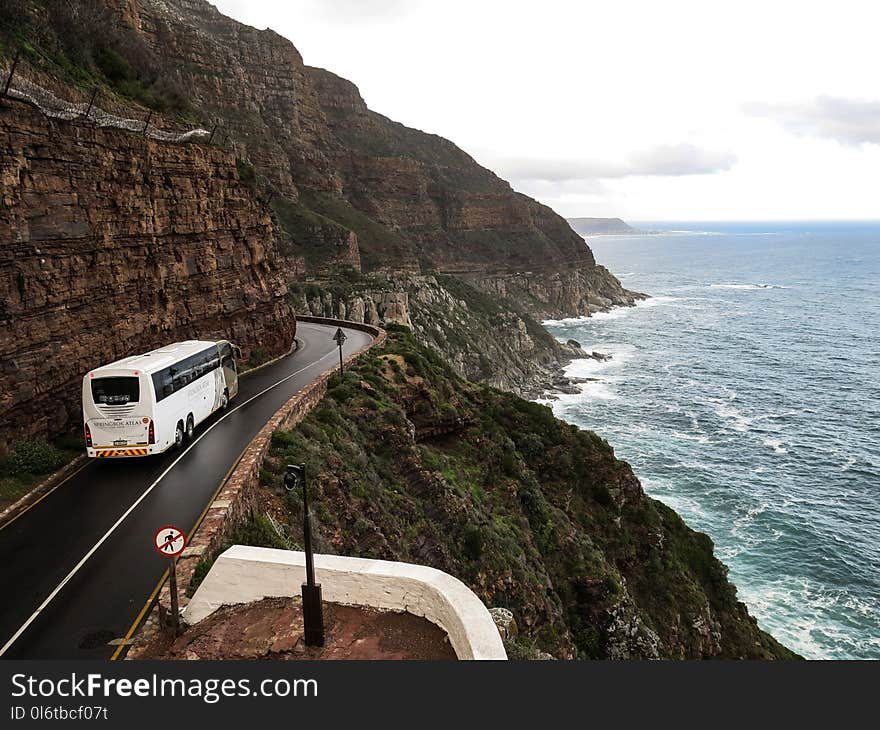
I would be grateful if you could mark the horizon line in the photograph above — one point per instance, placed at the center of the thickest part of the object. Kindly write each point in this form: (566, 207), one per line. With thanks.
(730, 220)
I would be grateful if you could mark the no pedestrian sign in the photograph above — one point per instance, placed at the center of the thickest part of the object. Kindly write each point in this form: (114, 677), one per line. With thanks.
(169, 541)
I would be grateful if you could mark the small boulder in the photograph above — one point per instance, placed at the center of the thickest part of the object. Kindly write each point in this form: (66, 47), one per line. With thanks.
(505, 622)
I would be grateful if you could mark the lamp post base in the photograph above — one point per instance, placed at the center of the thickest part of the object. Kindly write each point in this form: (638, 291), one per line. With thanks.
(313, 615)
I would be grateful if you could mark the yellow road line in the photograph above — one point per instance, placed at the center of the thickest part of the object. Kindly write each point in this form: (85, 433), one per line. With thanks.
(148, 604)
(140, 617)
(37, 501)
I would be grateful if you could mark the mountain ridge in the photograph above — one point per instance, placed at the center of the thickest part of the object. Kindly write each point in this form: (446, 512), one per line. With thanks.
(415, 202)
(602, 226)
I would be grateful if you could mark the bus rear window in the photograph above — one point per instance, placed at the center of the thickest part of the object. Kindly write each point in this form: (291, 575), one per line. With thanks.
(116, 391)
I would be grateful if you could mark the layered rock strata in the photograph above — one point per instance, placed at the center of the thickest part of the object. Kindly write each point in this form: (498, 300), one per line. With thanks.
(112, 244)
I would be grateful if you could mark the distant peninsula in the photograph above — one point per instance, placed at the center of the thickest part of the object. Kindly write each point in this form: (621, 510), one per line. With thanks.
(604, 227)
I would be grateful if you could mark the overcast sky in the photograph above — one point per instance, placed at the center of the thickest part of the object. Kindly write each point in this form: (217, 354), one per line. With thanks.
(645, 110)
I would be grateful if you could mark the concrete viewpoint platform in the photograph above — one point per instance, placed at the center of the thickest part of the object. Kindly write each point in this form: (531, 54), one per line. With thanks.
(243, 574)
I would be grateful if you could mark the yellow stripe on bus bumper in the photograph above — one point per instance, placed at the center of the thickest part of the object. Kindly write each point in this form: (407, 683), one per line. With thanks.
(103, 453)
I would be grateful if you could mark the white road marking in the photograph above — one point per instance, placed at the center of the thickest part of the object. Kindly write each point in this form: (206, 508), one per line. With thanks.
(149, 489)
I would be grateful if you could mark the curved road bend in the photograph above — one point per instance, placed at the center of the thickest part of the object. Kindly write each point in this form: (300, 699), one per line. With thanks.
(78, 567)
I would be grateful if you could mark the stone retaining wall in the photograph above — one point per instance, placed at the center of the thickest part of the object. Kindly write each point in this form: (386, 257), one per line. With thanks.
(235, 497)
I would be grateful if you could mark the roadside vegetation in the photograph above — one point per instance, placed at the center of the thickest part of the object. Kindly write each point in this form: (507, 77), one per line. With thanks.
(29, 462)
(407, 461)
(79, 44)
(259, 530)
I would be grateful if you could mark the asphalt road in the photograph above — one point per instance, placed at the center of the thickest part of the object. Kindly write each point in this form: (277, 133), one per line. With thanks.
(78, 567)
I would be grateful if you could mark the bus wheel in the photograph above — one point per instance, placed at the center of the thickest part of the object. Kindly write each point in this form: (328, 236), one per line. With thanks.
(190, 427)
(178, 434)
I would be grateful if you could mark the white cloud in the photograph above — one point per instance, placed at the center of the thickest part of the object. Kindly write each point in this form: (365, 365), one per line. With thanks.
(558, 95)
(360, 11)
(849, 121)
(660, 160)
(680, 159)
(332, 13)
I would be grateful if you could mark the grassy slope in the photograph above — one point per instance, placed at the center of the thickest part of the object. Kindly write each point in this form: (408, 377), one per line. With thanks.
(30, 462)
(409, 462)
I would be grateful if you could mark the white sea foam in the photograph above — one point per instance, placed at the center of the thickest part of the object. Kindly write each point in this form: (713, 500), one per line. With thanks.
(730, 413)
(655, 301)
(688, 507)
(602, 374)
(776, 445)
(747, 286)
(586, 367)
(565, 322)
(803, 615)
(744, 520)
(615, 313)
(699, 438)
(775, 416)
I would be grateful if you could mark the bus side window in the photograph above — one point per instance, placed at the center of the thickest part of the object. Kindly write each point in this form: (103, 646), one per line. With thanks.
(176, 381)
(163, 384)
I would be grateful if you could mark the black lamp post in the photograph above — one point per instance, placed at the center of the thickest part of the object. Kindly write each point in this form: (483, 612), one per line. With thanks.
(313, 611)
(339, 338)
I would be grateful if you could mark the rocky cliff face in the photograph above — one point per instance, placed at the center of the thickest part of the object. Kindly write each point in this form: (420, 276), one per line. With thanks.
(113, 244)
(547, 293)
(483, 338)
(106, 232)
(414, 201)
(457, 216)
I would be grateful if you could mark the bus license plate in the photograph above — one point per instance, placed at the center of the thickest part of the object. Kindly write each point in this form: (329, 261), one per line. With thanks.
(120, 442)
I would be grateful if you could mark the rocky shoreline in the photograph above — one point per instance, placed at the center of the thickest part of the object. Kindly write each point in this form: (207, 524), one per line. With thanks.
(562, 384)
(484, 338)
(569, 384)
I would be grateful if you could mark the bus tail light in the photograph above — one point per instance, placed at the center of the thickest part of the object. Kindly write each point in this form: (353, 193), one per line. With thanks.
(88, 435)
(151, 439)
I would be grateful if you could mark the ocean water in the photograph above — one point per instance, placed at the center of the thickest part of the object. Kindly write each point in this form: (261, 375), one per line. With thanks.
(746, 395)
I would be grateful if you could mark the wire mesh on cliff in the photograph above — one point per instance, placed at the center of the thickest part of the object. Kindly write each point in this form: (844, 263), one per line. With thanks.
(57, 108)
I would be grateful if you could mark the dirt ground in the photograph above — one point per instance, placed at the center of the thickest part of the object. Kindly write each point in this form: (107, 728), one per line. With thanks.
(273, 629)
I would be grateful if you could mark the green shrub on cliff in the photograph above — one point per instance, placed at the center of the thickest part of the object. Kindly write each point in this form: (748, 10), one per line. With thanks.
(256, 529)
(410, 462)
(37, 457)
(31, 461)
(84, 44)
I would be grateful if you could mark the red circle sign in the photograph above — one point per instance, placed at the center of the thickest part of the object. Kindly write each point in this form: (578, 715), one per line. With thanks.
(169, 541)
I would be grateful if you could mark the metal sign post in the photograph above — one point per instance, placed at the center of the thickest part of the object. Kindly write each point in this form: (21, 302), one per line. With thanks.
(339, 338)
(313, 610)
(170, 542)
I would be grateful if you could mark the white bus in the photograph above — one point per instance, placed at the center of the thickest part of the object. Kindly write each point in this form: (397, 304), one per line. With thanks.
(145, 404)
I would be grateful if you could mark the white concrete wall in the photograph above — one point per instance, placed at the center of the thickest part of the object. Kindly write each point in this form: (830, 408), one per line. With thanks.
(244, 574)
